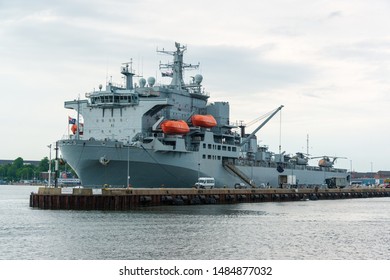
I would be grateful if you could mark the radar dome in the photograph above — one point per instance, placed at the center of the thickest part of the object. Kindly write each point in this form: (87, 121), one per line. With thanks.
(151, 81)
(198, 78)
(142, 82)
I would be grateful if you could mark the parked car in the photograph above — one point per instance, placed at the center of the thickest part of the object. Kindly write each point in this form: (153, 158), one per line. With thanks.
(205, 182)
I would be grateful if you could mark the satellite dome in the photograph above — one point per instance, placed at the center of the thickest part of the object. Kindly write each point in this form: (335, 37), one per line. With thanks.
(142, 82)
(151, 81)
(198, 78)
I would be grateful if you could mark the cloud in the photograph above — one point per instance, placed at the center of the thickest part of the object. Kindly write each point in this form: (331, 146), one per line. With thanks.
(335, 14)
(327, 63)
(247, 70)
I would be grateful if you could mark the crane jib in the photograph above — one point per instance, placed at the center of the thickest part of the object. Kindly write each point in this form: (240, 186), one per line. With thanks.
(261, 125)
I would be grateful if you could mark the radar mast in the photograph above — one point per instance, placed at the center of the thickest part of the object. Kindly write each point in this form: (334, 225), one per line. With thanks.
(175, 69)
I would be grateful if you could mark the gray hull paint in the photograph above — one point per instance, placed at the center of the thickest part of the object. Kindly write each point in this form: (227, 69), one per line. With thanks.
(150, 169)
(147, 168)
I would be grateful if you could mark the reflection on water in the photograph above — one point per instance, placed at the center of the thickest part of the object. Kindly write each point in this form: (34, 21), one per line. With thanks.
(338, 229)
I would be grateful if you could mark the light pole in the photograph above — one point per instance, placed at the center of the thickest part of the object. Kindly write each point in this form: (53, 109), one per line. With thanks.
(128, 162)
(49, 182)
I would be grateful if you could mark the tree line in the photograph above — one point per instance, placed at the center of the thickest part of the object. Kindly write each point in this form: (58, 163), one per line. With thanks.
(18, 170)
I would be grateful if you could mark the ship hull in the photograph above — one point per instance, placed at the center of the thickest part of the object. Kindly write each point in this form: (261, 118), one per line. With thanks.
(109, 163)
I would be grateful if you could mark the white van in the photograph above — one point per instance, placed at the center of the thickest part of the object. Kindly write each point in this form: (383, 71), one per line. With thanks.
(205, 182)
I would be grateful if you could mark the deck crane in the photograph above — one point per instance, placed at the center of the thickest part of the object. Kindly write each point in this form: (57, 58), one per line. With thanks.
(260, 126)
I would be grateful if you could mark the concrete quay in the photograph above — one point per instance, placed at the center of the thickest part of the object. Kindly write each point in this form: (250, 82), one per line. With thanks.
(133, 198)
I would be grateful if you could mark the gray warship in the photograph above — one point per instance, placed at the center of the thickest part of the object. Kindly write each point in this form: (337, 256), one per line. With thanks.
(153, 136)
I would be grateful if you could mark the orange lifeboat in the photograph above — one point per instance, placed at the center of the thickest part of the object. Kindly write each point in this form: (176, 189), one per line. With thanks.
(74, 129)
(175, 127)
(207, 121)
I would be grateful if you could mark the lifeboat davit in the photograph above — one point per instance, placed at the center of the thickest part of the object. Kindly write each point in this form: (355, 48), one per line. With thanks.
(175, 127)
(207, 121)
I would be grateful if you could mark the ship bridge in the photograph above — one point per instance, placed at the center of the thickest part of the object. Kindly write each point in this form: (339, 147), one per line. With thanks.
(113, 97)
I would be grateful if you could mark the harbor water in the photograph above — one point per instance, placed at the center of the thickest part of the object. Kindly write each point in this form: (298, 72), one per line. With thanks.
(348, 229)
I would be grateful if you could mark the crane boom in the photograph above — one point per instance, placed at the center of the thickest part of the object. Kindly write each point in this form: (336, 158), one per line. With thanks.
(261, 125)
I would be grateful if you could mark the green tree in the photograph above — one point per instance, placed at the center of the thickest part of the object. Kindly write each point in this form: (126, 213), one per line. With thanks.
(43, 165)
(25, 173)
(18, 163)
(19, 171)
(3, 172)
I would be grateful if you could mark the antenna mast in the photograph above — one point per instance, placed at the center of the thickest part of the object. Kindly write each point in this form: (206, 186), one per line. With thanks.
(175, 69)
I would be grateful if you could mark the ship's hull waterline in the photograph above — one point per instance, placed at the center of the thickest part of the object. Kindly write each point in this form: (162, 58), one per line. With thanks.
(108, 164)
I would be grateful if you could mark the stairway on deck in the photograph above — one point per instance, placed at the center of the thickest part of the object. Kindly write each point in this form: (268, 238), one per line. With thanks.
(231, 167)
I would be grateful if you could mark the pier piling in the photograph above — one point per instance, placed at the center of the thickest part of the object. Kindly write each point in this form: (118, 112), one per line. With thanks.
(128, 199)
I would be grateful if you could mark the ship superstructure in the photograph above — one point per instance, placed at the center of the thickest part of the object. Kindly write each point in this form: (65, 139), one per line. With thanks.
(150, 135)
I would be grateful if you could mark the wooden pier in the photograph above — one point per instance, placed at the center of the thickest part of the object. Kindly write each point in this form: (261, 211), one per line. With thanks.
(133, 198)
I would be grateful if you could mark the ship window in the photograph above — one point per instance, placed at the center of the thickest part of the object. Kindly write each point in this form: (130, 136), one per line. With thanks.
(229, 149)
(219, 157)
(223, 148)
(234, 149)
(204, 156)
(219, 147)
(204, 145)
(209, 156)
(209, 146)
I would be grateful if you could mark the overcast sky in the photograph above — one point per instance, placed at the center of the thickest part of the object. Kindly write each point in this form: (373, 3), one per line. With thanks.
(327, 62)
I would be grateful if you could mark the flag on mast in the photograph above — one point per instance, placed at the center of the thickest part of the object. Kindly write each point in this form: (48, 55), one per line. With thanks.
(72, 120)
